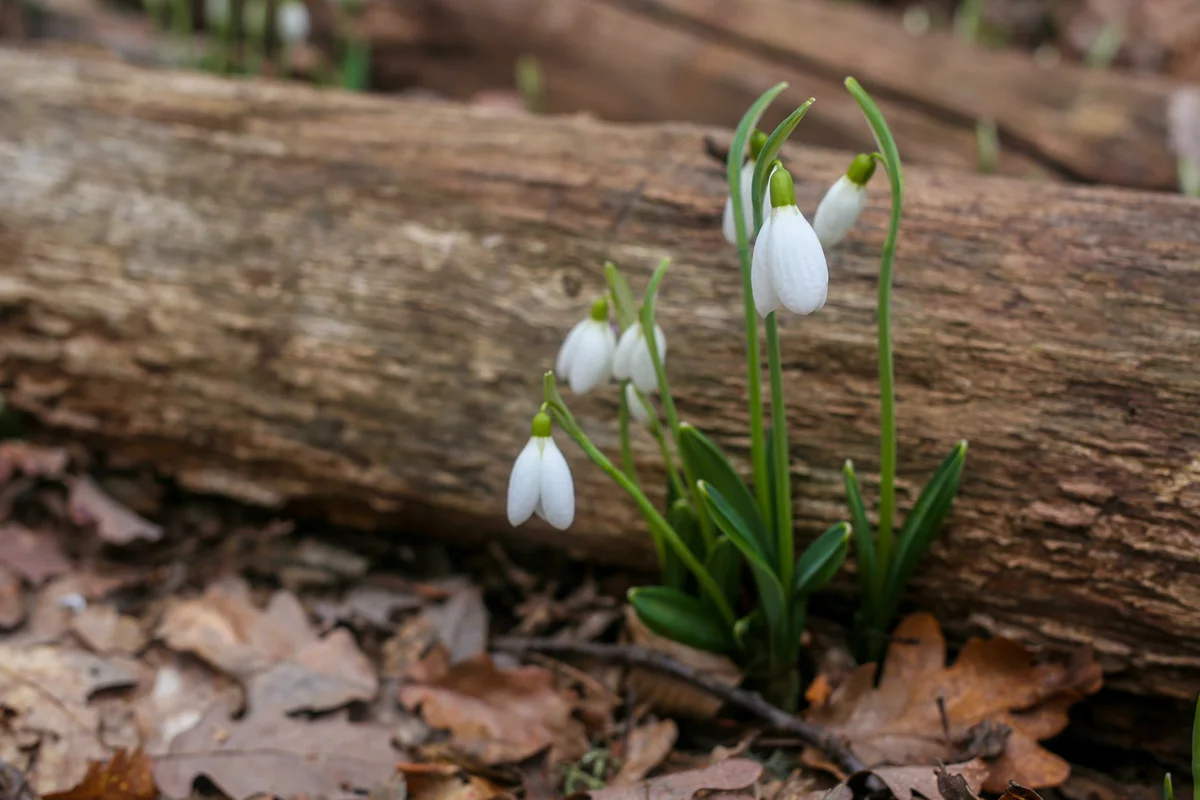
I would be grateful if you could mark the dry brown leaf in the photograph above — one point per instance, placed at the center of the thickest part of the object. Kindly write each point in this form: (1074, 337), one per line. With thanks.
(727, 776)
(672, 696)
(182, 691)
(286, 756)
(500, 716)
(31, 459)
(107, 632)
(35, 555)
(461, 623)
(993, 681)
(914, 783)
(46, 691)
(444, 781)
(115, 523)
(1015, 791)
(649, 744)
(12, 599)
(275, 652)
(125, 776)
(14, 784)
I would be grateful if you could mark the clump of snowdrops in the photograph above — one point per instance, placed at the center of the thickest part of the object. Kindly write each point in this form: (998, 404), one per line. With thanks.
(714, 523)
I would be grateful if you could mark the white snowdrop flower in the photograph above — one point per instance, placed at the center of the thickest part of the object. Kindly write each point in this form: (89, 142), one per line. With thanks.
(632, 359)
(788, 268)
(541, 482)
(637, 409)
(292, 23)
(586, 357)
(757, 140)
(841, 205)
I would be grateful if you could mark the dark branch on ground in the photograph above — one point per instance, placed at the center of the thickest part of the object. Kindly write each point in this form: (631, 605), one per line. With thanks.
(632, 655)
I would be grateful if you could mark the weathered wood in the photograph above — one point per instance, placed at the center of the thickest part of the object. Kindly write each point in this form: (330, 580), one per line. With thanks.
(345, 303)
(706, 61)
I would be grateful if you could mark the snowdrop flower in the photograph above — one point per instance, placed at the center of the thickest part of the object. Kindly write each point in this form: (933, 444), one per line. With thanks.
(632, 359)
(585, 359)
(292, 23)
(788, 267)
(841, 205)
(757, 140)
(541, 481)
(637, 409)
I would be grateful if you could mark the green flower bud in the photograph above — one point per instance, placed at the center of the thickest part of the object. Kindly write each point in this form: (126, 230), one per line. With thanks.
(861, 169)
(783, 190)
(600, 309)
(758, 140)
(541, 424)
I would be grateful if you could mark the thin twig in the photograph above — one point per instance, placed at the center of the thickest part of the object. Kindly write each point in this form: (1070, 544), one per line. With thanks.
(633, 655)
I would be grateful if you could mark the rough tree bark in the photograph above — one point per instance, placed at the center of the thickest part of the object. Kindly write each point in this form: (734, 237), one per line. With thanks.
(339, 302)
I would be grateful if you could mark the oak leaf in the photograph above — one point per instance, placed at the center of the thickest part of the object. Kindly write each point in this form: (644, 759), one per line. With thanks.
(996, 693)
(724, 776)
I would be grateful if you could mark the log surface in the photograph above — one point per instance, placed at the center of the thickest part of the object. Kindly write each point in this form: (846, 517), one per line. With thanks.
(305, 298)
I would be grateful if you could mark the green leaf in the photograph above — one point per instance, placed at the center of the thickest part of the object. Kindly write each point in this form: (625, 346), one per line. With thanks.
(864, 538)
(682, 618)
(923, 525)
(769, 152)
(741, 137)
(683, 520)
(706, 462)
(622, 297)
(725, 564)
(821, 560)
(771, 597)
(356, 68)
(1168, 788)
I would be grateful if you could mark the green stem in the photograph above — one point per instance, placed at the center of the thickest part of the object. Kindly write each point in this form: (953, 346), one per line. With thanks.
(887, 389)
(658, 524)
(783, 482)
(626, 447)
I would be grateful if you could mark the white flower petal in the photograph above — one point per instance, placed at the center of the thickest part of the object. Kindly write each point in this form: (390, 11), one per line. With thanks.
(766, 201)
(562, 364)
(766, 299)
(591, 360)
(622, 357)
(524, 484)
(727, 227)
(642, 365)
(747, 194)
(557, 488)
(292, 23)
(838, 211)
(797, 262)
(637, 410)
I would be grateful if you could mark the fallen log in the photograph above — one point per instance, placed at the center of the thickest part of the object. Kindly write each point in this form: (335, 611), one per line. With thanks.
(706, 61)
(313, 300)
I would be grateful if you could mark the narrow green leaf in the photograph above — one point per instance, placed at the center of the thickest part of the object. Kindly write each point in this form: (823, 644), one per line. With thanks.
(771, 597)
(864, 537)
(683, 520)
(741, 137)
(770, 150)
(923, 525)
(706, 462)
(356, 68)
(725, 563)
(1168, 788)
(770, 456)
(622, 296)
(683, 618)
(821, 560)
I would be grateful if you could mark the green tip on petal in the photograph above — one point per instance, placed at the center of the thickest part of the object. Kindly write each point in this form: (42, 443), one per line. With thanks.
(600, 309)
(758, 140)
(861, 169)
(541, 424)
(783, 190)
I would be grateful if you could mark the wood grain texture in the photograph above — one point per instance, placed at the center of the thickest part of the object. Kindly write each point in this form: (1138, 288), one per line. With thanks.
(304, 298)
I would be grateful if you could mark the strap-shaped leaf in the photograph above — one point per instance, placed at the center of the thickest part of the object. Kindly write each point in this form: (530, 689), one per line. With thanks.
(622, 297)
(725, 565)
(681, 617)
(821, 560)
(683, 520)
(923, 525)
(706, 462)
(771, 597)
(864, 539)
(771, 149)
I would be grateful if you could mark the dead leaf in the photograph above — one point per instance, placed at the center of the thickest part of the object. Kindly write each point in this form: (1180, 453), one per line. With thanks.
(914, 783)
(107, 632)
(649, 745)
(182, 692)
(114, 523)
(35, 555)
(673, 696)
(370, 606)
(1015, 791)
(31, 459)
(730, 775)
(125, 776)
(993, 680)
(14, 784)
(839, 792)
(499, 716)
(12, 599)
(461, 624)
(287, 756)
(444, 781)
(275, 652)
(45, 690)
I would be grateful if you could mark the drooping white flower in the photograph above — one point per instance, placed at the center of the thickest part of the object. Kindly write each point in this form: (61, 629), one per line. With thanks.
(292, 23)
(541, 481)
(841, 205)
(637, 409)
(585, 359)
(632, 359)
(757, 140)
(788, 267)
